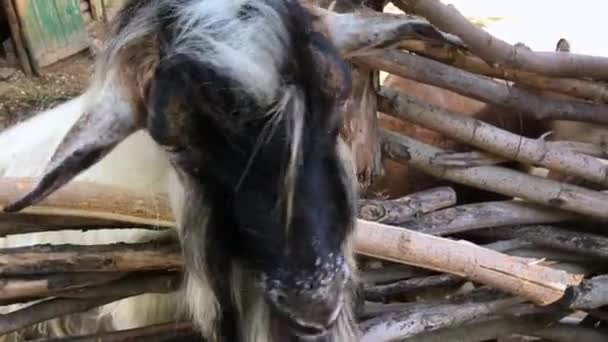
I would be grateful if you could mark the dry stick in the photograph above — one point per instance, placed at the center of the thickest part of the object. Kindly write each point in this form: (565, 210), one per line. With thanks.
(473, 216)
(583, 89)
(360, 126)
(484, 89)
(491, 138)
(488, 330)
(497, 51)
(399, 210)
(167, 332)
(570, 333)
(590, 294)
(539, 284)
(559, 238)
(397, 326)
(174, 331)
(120, 257)
(391, 273)
(21, 223)
(93, 201)
(498, 179)
(94, 297)
(133, 285)
(63, 217)
(381, 292)
(22, 289)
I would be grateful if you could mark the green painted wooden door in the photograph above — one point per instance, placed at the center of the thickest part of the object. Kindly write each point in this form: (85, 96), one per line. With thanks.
(53, 29)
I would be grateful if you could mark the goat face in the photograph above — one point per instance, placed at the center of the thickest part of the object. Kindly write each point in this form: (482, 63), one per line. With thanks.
(278, 194)
(245, 96)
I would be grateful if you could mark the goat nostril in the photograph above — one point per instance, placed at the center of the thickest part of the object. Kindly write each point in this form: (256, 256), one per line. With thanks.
(281, 299)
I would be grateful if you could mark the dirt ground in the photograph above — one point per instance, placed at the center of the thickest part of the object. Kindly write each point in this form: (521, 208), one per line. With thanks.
(22, 96)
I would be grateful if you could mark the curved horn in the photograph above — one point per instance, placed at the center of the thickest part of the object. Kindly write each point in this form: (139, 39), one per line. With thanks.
(107, 119)
(352, 33)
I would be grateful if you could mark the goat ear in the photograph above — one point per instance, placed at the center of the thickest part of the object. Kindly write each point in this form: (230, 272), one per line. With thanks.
(107, 119)
(353, 33)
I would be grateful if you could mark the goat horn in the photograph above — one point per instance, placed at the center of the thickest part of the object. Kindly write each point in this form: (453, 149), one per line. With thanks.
(353, 33)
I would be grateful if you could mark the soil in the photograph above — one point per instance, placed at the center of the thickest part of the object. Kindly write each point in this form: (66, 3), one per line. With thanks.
(22, 96)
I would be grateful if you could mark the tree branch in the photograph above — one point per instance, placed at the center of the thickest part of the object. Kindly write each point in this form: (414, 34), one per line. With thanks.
(540, 284)
(491, 138)
(402, 209)
(167, 332)
(120, 257)
(487, 214)
(428, 71)
(93, 298)
(494, 178)
(497, 51)
(580, 88)
(92, 201)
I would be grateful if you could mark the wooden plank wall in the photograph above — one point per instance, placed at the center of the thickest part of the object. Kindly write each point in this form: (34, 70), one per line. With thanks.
(53, 29)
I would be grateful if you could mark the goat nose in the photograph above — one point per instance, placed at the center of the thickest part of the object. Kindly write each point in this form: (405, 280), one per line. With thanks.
(316, 308)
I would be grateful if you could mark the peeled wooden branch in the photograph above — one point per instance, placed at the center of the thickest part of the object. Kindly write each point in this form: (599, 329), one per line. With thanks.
(487, 214)
(92, 201)
(403, 209)
(498, 179)
(167, 332)
(580, 88)
(542, 285)
(497, 51)
(491, 138)
(120, 257)
(484, 89)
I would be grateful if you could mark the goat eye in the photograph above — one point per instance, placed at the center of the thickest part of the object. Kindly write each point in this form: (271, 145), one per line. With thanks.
(173, 148)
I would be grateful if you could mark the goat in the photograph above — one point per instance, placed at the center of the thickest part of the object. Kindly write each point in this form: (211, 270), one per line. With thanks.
(235, 107)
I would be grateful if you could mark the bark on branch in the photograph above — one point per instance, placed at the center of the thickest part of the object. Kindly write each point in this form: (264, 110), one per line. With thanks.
(91, 298)
(579, 88)
(121, 257)
(498, 179)
(13, 290)
(491, 138)
(590, 294)
(559, 238)
(402, 209)
(398, 326)
(167, 332)
(487, 214)
(484, 89)
(497, 51)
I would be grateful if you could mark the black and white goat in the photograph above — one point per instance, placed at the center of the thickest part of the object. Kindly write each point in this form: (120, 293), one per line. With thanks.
(234, 109)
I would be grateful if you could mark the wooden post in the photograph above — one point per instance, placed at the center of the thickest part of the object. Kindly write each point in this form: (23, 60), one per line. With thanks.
(361, 116)
(16, 35)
